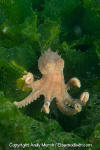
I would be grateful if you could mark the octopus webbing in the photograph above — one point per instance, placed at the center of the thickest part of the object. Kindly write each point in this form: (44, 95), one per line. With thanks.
(52, 86)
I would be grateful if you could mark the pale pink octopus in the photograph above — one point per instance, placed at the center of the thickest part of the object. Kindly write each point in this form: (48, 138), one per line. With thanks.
(52, 85)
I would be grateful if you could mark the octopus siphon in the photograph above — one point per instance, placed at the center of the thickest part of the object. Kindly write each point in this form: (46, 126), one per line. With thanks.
(52, 86)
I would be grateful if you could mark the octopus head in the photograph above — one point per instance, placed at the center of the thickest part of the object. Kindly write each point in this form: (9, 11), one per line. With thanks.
(50, 62)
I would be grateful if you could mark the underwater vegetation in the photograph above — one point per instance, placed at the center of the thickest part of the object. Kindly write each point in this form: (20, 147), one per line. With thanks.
(27, 29)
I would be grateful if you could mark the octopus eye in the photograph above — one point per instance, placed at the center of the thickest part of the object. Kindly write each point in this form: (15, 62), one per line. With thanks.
(60, 62)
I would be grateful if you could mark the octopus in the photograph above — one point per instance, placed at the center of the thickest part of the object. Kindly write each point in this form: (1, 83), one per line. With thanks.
(52, 86)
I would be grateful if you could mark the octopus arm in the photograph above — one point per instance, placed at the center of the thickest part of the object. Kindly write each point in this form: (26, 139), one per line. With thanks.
(29, 99)
(83, 99)
(69, 106)
(73, 82)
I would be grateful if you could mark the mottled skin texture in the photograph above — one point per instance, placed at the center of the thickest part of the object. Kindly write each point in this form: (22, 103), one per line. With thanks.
(52, 85)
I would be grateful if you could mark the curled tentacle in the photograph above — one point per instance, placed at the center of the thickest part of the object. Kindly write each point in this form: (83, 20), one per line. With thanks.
(73, 82)
(29, 79)
(69, 110)
(83, 98)
(29, 99)
(69, 106)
